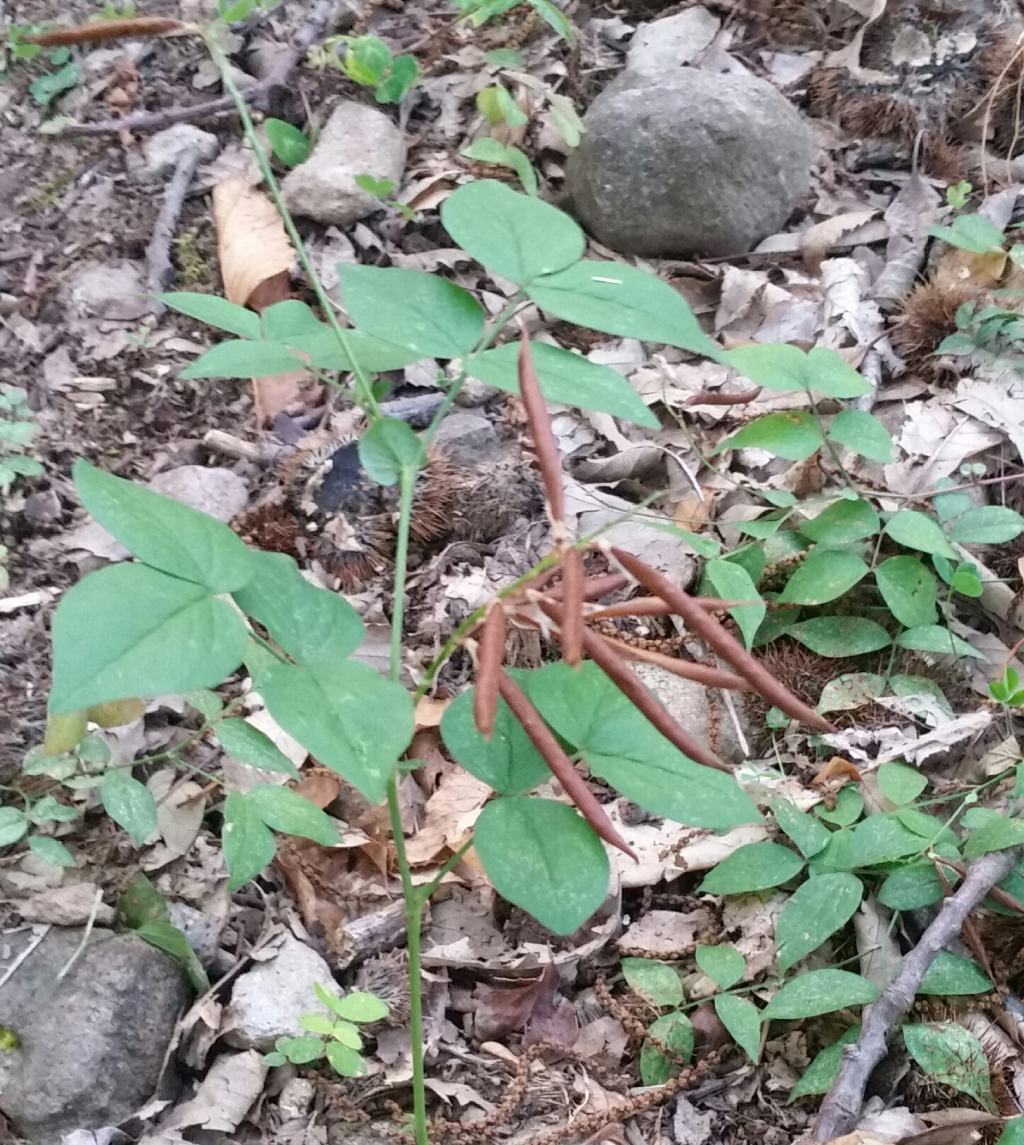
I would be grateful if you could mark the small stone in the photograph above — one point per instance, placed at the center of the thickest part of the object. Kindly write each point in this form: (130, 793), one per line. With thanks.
(111, 290)
(689, 704)
(466, 438)
(357, 140)
(92, 1045)
(219, 492)
(474, 393)
(268, 1000)
(697, 163)
(71, 905)
(664, 46)
(163, 150)
(201, 931)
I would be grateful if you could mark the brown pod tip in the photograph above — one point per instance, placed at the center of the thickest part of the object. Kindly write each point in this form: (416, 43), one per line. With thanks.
(490, 657)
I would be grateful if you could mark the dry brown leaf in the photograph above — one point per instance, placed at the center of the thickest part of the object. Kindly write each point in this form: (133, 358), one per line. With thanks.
(451, 812)
(816, 241)
(836, 773)
(429, 712)
(251, 242)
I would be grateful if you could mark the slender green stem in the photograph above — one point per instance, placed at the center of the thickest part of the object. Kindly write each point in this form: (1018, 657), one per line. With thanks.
(833, 452)
(366, 395)
(427, 890)
(414, 900)
(407, 486)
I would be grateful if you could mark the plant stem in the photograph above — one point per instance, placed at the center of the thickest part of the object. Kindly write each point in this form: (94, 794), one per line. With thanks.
(407, 486)
(414, 900)
(366, 396)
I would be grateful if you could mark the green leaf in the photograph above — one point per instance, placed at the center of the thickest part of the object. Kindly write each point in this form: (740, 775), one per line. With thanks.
(426, 313)
(987, 525)
(317, 1024)
(772, 365)
(390, 448)
(817, 909)
(288, 143)
(836, 857)
(348, 1034)
(566, 378)
(724, 965)
(249, 745)
(732, 582)
(842, 522)
(743, 1021)
(840, 635)
(284, 810)
(164, 533)
(242, 359)
(973, 232)
(214, 311)
(966, 580)
(554, 17)
(623, 748)
(489, 150)
(911, 887)
(906, 686)
(508, 762)
(832, 376)
(358, 1006)
(1013, 1132)
(952, 1056)
(367, 60)
(51, 810)
(822, 1072)
(909, 590)
(140, 902)
(129, 803)
(517, 236)
(793, 434)
(655, 981)
(862, 433)
(344, 1060)
(322, 348)
(883, 839)
(316, 627)
(918, 531)
(753, 867)
(999, 834)
(129, 631)
(13, 825)
(953, 974)
(936, 638)
(405, 71)
(353, 721)
(48, 86)
(820, 992)
(851, 690)
(51, 851)
(675, 1031)
(899, 783)
(543, 857)
(823, 576)
(805, 831)
(301, 1050)
(620, 299)
(165, 936)
(248, 843)
(848, 808)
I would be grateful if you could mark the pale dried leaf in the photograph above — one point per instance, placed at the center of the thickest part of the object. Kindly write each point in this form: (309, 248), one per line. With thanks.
(879, 954)
(225, 1095)
(251, 242)
(819, 239)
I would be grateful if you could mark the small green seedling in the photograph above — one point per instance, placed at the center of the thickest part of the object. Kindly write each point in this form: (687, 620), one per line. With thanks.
(368, 61)
(957, 194)
(289, 145)
(384, 189)
(17, 428)
(1007, 689)
(338, 1038)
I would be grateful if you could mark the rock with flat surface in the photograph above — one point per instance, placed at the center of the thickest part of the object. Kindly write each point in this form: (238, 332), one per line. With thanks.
(163, 150)
(689, 703)
(92, 1045)
(694, 163)
(357, 140)
(267, 1000)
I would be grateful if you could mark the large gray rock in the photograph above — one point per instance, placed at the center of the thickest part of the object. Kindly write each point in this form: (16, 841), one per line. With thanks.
(694, 163)
(690, 705)
(92, 1045)
(357, 140)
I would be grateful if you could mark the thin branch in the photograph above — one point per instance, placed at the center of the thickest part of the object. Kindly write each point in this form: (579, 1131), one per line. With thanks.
(841, 1107)
(159, 270)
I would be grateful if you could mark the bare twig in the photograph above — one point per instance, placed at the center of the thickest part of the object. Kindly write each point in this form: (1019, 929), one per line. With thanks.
(321, 16)
(841, 1107)
(90, 922)
(159, 270)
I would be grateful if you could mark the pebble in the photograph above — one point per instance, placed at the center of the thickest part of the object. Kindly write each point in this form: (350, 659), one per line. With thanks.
(162, 151)
(693, 163)
(267, 1000)
(356, 140)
